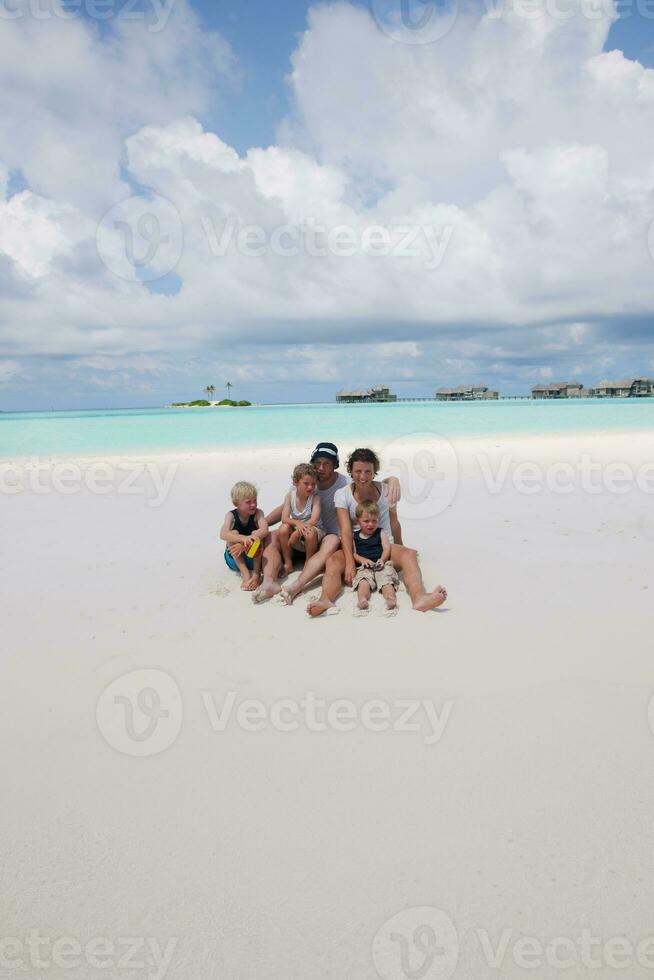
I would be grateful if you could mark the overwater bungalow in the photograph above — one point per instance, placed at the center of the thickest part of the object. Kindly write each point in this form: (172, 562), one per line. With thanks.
(626, 388)
(378, 393)
(466, 393)
(558, 389)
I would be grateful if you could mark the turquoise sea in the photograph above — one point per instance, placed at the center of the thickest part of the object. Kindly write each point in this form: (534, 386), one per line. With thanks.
(160, 430)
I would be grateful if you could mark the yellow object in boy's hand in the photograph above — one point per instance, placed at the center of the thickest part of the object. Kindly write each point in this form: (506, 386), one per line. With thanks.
(254, 547)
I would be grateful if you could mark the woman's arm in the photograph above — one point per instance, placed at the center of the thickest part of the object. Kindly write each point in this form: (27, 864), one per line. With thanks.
(386, 547)
(386, 491)
(274, 517)
(345, 528)
(396, 527)
(394, 490)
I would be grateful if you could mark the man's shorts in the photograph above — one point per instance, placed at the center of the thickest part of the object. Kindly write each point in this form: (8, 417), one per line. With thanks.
(301, 545)
(232, 564)
(377, 580)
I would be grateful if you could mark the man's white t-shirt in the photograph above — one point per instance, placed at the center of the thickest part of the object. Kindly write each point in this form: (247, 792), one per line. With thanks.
(345, 498)
(328, 517)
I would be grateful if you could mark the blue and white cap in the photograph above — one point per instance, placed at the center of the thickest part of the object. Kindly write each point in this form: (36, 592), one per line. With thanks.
(327, 450)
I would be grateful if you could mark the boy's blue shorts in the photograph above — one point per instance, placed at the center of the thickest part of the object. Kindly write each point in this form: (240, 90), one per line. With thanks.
(232, 564)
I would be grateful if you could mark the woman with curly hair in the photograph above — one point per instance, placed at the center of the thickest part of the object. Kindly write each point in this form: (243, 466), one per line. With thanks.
(363, 466)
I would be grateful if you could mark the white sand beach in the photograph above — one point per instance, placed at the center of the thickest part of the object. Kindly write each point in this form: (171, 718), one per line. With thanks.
(518, 803)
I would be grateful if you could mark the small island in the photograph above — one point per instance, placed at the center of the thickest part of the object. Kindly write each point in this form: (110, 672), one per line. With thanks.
(209, 403)
(203, 403)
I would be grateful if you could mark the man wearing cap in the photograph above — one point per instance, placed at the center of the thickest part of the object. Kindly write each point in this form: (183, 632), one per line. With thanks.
(326, 461)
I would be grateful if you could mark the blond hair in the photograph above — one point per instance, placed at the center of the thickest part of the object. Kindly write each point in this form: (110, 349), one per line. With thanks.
(243, 491)
(368, 507)
(304, 469)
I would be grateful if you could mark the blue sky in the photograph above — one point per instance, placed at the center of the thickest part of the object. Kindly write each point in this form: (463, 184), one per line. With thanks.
(551, 202)
(264, 34)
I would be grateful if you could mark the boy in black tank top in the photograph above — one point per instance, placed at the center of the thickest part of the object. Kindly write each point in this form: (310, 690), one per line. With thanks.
(245, 525)
(372, 552)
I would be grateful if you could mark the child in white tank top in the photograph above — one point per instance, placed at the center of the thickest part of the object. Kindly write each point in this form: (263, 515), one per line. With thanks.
(301, 529)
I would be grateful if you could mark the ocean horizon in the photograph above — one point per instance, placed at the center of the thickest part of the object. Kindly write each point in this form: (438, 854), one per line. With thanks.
(168, 430)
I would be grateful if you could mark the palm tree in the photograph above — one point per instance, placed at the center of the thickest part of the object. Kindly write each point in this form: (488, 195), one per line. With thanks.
(209, 390)
(229, 387)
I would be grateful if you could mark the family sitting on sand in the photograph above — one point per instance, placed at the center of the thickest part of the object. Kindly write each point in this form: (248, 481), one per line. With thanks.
(332, 524)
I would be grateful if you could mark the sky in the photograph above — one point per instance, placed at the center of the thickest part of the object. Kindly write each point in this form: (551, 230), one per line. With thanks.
(298, 198)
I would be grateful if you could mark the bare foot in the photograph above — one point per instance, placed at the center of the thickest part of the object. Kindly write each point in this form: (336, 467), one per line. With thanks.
(255, 580)
(390, 597)
(317, 607)
(430, 600)
(362, 604)
(245, 581)
(288, 567)
(289, 592)
(266, 591)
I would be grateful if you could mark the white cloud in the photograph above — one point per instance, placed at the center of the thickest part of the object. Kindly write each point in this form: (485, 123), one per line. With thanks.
(33, 230)
(70, 95)
(516, 146)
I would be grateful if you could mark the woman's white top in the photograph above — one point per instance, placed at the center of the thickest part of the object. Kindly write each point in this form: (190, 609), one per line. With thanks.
(345, 498)
(305, 514)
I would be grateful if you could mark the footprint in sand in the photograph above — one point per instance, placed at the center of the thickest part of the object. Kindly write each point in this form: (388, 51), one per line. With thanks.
(223, 590)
